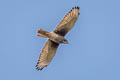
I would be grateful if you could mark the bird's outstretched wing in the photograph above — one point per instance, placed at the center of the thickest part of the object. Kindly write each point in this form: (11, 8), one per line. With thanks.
(68, 22)
(47, 54)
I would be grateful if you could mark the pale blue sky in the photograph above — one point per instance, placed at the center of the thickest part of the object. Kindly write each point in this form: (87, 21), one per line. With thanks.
(93, 52)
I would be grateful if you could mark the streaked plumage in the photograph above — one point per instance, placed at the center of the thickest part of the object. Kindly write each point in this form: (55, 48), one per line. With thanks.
(56, 38)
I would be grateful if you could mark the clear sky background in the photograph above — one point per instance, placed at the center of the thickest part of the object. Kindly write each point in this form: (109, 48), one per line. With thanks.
(93, 52)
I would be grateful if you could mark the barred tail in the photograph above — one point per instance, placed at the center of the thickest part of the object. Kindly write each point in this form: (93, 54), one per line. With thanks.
(42, 33)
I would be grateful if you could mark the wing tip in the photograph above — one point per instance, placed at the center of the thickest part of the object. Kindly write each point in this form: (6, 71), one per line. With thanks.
(76, 7)
(37, 68)
(40, 66)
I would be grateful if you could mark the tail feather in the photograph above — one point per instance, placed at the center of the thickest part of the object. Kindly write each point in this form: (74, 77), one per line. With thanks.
(42, 33)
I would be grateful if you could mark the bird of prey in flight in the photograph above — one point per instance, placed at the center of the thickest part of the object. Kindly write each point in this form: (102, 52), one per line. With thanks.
(56, 37)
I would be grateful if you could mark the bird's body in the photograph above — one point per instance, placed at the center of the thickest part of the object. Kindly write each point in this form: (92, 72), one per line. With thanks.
(56, 37)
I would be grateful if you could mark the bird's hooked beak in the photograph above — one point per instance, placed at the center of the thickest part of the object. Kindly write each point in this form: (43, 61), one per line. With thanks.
(65, 41)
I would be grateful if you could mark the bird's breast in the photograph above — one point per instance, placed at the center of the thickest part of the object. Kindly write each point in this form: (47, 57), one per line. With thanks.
(55, 37)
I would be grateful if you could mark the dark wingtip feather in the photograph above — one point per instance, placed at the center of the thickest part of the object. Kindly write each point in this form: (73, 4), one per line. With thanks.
(76, 7)
(40, 66)
(37, 68)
